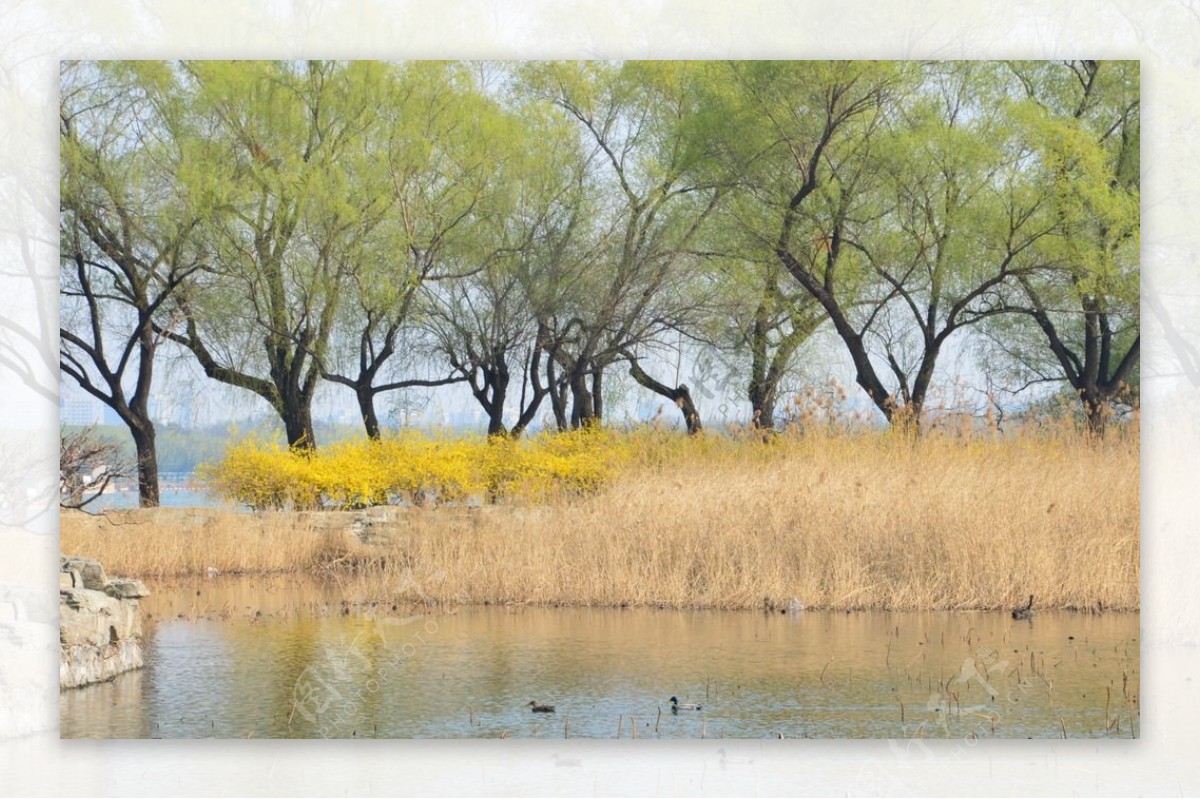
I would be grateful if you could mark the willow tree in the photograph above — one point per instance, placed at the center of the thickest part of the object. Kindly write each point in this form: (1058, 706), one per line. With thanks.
(763, 320)
(127, 239)
(799, 134)
(447, 152)
(636, 119)
(895, 195)
(762, 317)
(290, 151)
(1083, 118)
(484, 325)
(964, 222)
(497, 326)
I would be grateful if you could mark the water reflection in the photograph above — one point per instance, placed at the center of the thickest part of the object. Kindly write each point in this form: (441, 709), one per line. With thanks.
(303, 669)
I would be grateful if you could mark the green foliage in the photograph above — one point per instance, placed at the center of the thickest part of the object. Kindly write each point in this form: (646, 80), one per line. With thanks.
(536, 222)
(1081, 123)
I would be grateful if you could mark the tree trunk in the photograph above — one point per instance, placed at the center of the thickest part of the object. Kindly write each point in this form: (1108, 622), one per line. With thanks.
(288, 393)
(911, 414)
(1090, 372)
(532, 379)
(491, 394)
(762, 407)
(1096, 411)
(680, 395)
(496, 383)
(583, 412)
(864, 370)
(366, 406)
(297, 423)
(598, 394)
(691, 415)
(558, 401)
(496, 421)
(147, 463)
(760, 394)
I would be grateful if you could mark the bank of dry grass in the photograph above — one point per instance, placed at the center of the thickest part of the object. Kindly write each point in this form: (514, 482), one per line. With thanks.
(839, 521)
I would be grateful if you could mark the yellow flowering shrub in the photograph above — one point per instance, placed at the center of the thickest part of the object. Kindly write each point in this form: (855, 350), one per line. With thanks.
(262, 475)
(418, 469)
(348, 475)
(552, 463)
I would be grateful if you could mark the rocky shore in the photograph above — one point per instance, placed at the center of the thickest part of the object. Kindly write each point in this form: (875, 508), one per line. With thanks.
(100, 623)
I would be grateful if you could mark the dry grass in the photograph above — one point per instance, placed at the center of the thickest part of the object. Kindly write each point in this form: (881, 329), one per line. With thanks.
(168, 542)
(840, 521)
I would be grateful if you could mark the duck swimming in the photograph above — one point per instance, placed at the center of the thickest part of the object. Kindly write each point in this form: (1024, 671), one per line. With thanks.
(1024, 612)
(541, 708)
(676, 707)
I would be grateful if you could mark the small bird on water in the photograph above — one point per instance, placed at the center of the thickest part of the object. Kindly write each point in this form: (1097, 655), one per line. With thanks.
(541, 708)
(676, 707)
(1025, 612)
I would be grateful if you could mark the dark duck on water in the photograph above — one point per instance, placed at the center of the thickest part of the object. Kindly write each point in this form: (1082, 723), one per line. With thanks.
(676, 707)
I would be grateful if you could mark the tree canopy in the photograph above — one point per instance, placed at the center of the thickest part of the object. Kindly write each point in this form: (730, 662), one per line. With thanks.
(542, 231)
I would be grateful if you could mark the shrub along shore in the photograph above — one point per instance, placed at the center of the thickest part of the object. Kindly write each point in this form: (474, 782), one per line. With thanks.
(834, 519)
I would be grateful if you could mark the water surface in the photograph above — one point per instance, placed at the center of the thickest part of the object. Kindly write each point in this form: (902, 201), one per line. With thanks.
(169, 497)
(288, 658)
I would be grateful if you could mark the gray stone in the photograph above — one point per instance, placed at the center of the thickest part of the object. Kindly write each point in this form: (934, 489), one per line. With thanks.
(85, 600)
(123, 588)
(91, 572)
(380, 514)
(100, 629)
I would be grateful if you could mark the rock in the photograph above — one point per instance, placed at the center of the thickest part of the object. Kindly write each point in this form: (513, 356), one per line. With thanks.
(380, 514)
(85, 600)
(376, 525)
(100, 626)
(123, 588)
(91, 572)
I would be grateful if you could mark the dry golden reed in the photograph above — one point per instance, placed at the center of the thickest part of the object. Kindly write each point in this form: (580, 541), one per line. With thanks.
(165, 542)
(843, 521)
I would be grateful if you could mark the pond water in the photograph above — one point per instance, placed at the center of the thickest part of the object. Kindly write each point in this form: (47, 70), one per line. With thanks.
(287, 658)
(169, 497)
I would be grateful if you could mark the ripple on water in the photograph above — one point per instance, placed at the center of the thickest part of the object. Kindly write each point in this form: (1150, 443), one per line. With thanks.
(471, 672)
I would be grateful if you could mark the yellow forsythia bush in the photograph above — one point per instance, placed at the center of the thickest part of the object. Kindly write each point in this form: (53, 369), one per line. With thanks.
(263, 475)
(417, 469)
